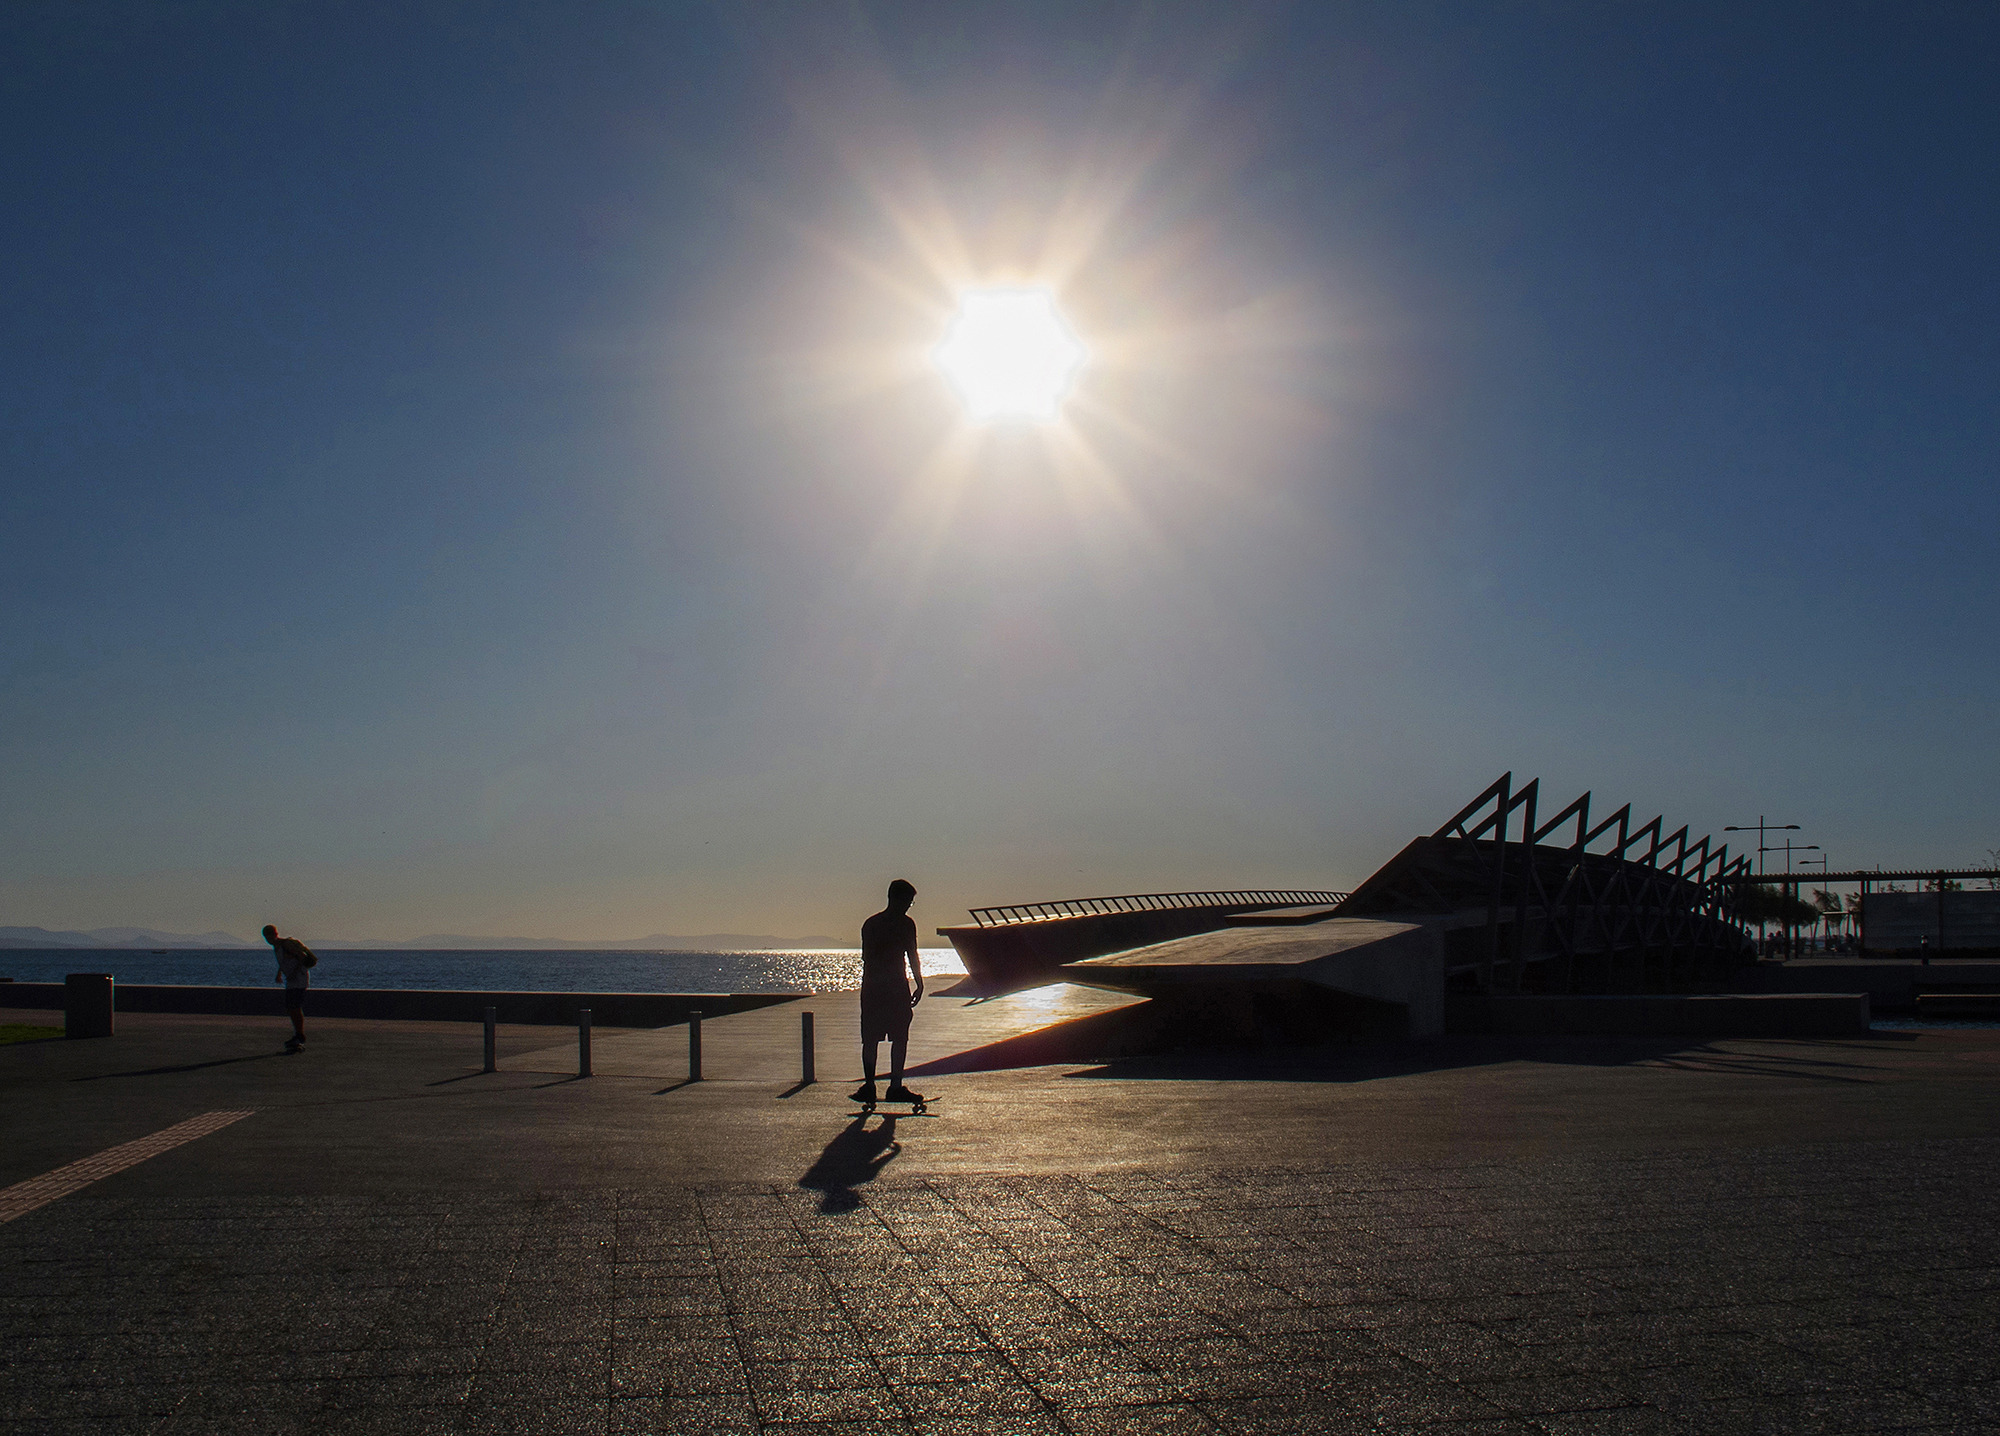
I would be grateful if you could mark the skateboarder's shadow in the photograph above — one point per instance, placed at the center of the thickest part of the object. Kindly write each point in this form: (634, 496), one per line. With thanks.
(850, 1159)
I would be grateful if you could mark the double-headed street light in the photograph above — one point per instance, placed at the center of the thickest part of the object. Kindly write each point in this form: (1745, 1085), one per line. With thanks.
(1760, 827)
(1788, 847)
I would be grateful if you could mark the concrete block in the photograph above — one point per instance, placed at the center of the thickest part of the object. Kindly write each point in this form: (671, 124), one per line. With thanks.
(1216, 981)
(1965, 1006)
(1889, 984)
(1404, 966)
(87, 1004)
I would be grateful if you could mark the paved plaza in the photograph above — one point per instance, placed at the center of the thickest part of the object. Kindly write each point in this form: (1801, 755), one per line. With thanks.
(1469, 1236)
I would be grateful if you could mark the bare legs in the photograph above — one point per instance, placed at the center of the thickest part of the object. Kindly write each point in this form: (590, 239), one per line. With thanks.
(899, 1051)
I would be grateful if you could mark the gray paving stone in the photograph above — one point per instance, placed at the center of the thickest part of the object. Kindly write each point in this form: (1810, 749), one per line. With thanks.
(872, 1403)
(1020, 1423)
(821, 1374)
(688, 1414)
(1170, 1419)
(556, 1418)
(984, 1396)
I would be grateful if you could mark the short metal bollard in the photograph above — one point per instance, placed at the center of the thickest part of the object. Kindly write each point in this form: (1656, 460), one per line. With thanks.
(492, 1022)
(805, 1047)
(694, 1047)
(583, 1042)
(87, 1004)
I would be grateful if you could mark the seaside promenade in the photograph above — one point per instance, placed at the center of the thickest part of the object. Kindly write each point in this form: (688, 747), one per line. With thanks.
(1466, 1235)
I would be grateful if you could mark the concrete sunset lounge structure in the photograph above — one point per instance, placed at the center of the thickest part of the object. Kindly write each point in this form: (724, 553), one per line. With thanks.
(1486, 907)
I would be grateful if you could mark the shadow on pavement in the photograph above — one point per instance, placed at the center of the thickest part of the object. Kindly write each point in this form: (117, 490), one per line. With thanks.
(851, 1159)
(188, 1067)
(1819, 1060)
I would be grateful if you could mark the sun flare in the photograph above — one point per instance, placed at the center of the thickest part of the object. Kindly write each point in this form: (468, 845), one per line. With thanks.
(1010, 354)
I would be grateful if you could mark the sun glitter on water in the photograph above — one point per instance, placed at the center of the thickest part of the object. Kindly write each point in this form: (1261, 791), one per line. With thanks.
(1011, 354)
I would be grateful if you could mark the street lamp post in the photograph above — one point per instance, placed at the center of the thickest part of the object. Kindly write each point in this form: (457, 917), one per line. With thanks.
(1761, 827)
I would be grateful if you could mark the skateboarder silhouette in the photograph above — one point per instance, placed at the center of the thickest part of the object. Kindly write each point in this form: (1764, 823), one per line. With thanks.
(888, 940)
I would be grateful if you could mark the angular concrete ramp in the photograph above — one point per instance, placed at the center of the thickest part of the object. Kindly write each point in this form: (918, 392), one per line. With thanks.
(1059, 1022)
(1400, 963)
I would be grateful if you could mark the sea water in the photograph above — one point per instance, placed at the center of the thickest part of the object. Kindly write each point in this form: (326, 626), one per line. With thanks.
(572, 970)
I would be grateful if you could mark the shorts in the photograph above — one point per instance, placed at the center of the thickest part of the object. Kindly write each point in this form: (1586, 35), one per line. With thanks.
(885, 1013)
(295, 999)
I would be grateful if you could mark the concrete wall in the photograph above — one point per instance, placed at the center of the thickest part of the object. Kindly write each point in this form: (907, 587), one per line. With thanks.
(1817, 1014)
(1888, 984)
(1304, 982)
(1959, 1006)
(1893, 922)
(607, 1009)
(1406, 968)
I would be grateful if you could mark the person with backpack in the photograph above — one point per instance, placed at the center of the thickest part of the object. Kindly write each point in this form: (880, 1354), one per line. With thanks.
(295, 959)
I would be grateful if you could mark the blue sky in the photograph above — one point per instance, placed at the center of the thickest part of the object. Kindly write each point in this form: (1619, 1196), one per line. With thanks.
(465, 469)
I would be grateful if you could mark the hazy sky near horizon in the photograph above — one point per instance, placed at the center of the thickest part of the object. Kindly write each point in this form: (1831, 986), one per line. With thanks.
(472, 467)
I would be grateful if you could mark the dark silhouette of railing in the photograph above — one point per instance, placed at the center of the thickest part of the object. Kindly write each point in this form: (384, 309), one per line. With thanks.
(1810, 877)
(1257, 900)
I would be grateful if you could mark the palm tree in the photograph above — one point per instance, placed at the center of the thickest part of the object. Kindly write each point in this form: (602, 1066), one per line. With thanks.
(1829, 906)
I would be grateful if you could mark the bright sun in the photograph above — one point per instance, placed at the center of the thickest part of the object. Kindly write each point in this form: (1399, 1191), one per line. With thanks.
(1010, 353)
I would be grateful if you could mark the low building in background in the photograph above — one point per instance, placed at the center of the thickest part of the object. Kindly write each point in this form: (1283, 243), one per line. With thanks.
(1950, 921)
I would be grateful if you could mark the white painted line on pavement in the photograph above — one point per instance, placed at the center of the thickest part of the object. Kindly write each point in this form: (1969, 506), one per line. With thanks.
(23, 1197)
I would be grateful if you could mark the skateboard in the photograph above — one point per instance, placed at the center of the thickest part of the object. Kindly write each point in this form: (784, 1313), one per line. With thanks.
(919, 1108)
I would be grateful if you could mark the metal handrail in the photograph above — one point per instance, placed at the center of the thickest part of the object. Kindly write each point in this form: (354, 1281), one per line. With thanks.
(1858, 875)
(1237, 901)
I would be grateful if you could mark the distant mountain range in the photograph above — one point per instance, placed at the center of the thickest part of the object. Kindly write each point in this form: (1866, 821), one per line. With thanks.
(115, 937)
(128, 937)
